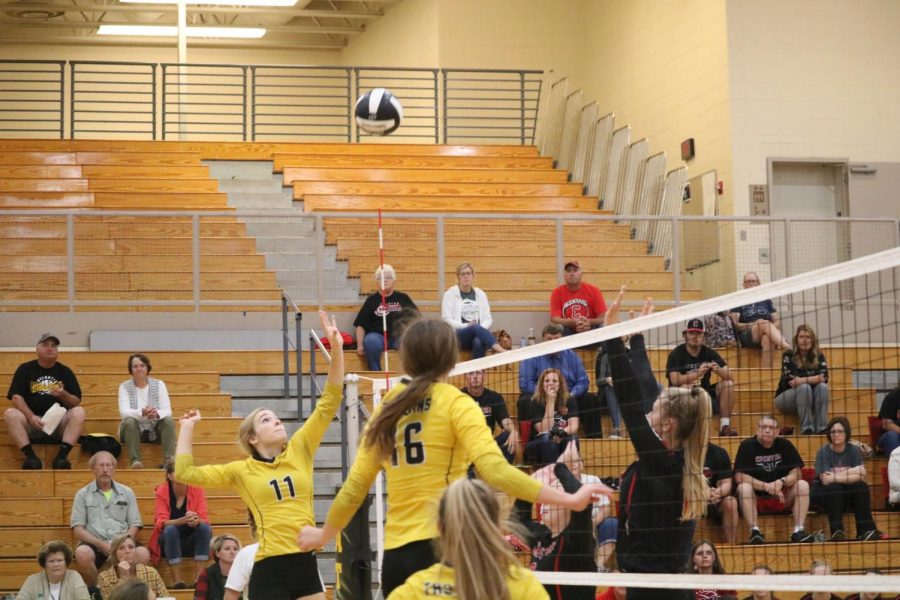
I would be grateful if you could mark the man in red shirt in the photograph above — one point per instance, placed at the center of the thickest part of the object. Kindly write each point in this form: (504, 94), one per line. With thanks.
(577, 306)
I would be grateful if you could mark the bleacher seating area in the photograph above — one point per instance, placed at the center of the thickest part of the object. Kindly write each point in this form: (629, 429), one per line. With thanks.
(139, 258)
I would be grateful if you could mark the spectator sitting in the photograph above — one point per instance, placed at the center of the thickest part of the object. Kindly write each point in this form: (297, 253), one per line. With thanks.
(103, 510)
(236, 585)
(894, 477)
(55, 581)
(36, 386)
(890, 421)
(369, 323)
(122, 564)
(566, 362)
(869, 595)
(576, 305)
(768, 475)
(132, 589)
(607, 393)
(693, 363)
(761, 594)
(465, 308)
(820, 568)
(211, 582)
(494, 408)
(146, 412)
(613, 592)
(181, 527)
(554, 418)
(705, 561)
(758, 324)
(720, 331)
(841, 483)
(803, 389)
(723, 506)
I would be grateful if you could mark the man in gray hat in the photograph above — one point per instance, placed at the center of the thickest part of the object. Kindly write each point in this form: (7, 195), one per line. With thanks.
(36, 387)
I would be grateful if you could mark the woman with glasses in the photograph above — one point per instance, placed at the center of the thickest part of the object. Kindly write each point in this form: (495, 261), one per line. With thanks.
(758, 324)
(840, 483)
(370, 320)
(465, 308)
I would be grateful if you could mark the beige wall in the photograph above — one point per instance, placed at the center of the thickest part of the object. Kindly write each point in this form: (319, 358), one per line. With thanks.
(812, 79)
(662, 68)
(406, 36)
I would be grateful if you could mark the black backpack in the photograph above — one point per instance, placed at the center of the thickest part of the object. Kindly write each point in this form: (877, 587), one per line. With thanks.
(97, 442)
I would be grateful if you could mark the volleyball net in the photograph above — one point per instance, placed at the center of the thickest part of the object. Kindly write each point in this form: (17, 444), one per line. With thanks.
(850, 308)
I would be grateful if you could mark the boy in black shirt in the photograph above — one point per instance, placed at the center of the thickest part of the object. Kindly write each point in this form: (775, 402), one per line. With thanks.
(723, 506)
(693, 363)
(495, 412)
(767, 472)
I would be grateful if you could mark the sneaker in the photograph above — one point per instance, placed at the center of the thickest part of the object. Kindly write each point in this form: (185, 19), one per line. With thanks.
(61, 463)
(838, 536)
(137, 465)
(727, 431)
(756, 537)
(32, 464)
(616, 434)
(872, 534)
(802, 537)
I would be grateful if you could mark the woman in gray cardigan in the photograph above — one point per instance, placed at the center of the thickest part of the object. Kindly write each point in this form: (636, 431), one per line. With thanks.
(56, 581)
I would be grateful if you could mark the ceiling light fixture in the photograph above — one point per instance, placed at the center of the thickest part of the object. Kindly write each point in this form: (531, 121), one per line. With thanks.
(172, 31)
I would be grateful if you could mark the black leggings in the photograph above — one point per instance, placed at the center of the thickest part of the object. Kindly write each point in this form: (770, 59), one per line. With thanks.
(400, 563)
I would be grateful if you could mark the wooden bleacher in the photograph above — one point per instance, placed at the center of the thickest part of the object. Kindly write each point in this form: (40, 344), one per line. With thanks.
(35, 505)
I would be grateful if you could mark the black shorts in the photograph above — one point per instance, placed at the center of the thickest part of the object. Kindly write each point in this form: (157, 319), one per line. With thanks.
(99, 556)
(285, 577)
(714, 513)
(746, 338)
(402, 562)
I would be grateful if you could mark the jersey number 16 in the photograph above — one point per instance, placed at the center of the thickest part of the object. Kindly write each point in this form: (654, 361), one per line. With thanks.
(414, 450)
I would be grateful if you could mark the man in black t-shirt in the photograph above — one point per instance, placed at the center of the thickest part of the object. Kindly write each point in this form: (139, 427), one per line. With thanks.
(723, 506)
(36, 386)
(369, 323)
(890, 422)
(495, 413)
(767, 472)
(693, 363)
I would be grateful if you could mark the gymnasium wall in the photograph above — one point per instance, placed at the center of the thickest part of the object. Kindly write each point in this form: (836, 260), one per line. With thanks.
(813, 78)
(662, 67)
(407, 36)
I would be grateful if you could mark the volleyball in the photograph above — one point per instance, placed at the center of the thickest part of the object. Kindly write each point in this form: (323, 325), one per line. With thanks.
(378, 112)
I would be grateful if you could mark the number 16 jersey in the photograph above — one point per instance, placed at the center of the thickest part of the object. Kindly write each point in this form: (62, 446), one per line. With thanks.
(435, 442)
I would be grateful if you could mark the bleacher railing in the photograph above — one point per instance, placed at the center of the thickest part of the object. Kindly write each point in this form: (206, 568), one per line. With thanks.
(173, 101)
(789, 246)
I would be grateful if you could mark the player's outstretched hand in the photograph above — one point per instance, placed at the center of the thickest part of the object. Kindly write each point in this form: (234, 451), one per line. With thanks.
(588, 493)
(331, 330)
(310, 539)
(191, 417)
(612, 311)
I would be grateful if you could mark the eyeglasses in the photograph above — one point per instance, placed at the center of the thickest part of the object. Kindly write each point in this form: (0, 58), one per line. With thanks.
(767, 427)
(751, 281)
(466, 274)
(838, 431)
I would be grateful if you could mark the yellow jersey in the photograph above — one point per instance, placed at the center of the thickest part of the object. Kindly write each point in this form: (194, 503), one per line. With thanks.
(435, 443)
(437, 581)
(278, 493)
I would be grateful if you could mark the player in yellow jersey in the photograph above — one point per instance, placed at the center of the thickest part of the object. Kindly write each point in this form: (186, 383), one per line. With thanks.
(424, 435)
(476, 561)
(276, 483)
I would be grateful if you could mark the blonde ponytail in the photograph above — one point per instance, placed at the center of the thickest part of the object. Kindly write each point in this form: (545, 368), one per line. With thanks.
(693, 410)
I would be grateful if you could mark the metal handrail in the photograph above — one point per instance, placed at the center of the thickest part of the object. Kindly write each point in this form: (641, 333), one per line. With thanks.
(286, 303)
(204, 101)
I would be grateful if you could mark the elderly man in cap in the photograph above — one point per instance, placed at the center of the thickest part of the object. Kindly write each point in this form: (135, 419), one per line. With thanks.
(693, 363)
(576, 305)
(36, 387)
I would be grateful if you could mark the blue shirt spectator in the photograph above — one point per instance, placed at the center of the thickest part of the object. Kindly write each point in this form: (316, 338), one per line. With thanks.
(567, 361)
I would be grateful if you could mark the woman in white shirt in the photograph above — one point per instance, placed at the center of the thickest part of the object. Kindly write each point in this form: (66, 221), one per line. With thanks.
(466, 309)
(145, 410)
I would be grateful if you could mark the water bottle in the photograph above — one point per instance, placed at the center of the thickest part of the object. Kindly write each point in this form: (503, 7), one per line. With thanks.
(522, 342)
(531, 339)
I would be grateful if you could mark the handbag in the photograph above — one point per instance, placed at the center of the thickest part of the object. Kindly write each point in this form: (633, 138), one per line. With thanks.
(100, 442)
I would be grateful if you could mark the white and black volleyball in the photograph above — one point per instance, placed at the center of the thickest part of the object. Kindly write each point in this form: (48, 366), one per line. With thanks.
(378, 112)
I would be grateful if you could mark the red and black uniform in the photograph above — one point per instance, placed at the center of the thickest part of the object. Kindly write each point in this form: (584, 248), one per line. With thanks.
(652, 537)
(571, 550)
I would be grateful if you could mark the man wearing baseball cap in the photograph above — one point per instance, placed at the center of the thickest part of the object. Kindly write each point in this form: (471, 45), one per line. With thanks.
(576, 305)
(693, 363)
(36, 386)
